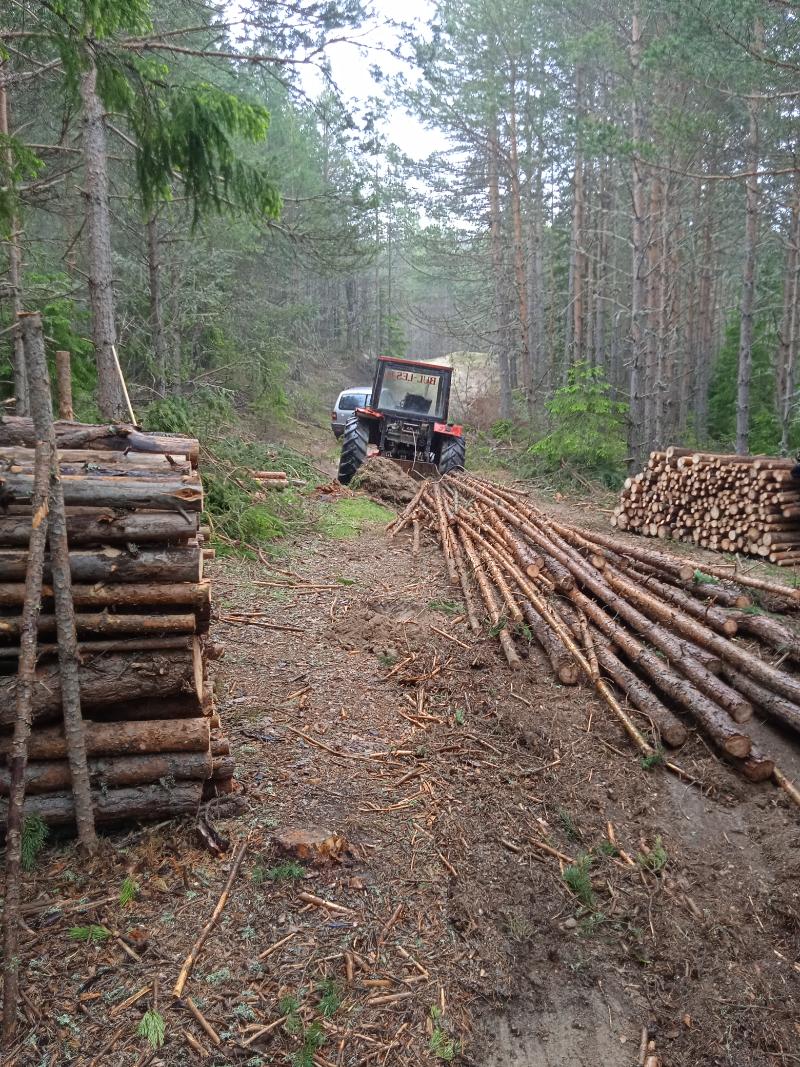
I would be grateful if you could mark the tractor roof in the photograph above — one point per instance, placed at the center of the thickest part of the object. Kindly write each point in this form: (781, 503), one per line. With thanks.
(415, 363)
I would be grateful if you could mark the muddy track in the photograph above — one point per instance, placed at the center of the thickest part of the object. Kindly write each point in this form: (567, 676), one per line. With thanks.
(464, 792)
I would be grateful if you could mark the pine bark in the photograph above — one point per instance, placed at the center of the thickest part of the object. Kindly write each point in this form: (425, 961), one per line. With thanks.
(747, 305)
(639, 248)
(157, 332)
(14, 266)
(496, 245)
(129, 738)
(98, 230)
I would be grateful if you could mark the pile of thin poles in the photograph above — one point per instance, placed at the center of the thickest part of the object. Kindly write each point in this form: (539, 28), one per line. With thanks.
(652, 633)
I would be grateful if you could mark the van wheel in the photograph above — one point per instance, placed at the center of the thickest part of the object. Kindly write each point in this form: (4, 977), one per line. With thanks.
(354, 449)
(453, 455)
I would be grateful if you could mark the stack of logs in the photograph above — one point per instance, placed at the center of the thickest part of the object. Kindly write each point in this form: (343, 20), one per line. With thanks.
(142, 608)
(652, 633)
(722, 502)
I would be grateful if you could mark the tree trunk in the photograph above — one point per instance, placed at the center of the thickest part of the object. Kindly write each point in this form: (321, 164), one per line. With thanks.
(68, 654)
(747, 306)
(104, 624)
(157, 333)
(495, 237)
(49, 776)
(118, 805)
(108, 678)
(520, 282)
(162, 594)
(121, 738)
(170, 493)
(64, 381)
(14, 267)
(117, 438)
(576, 349)
(639, 246)
(98, 229)
(106, 526)
(184, 564)
(789, 327)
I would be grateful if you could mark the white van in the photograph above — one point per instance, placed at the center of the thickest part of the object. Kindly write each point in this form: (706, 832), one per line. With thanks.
(346, 403)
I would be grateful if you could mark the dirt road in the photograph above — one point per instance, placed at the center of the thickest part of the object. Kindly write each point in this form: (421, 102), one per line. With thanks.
(518, 889)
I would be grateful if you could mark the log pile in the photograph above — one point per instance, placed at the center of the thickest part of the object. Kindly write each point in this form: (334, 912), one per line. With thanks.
(722, 502)
(655, 635)
(142, 608)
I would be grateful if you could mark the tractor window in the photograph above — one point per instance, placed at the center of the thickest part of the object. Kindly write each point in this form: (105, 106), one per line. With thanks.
(413, 392)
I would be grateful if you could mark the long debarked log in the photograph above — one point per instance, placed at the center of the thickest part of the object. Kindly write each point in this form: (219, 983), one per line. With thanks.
(171, 493)
(180, 564)
(16, 430)
(121, 739)
(111, 677)
(117, 805)
(92, 526)
(49, 776)
(770, 704)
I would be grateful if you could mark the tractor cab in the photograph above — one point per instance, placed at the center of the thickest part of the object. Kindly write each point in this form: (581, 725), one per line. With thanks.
(406, 420)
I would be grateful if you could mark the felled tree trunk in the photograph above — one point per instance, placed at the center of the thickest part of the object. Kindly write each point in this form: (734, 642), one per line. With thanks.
(117, 805)
(50, 776)
(106, 526)
(110, 564)
(168, 493)
(104, 623)
(119, 437)
(121, 739)
(109, 678)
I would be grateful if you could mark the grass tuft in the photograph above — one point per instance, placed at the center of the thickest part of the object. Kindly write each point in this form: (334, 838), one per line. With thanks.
(350, 516)
(33, 838)
(283, 872)
(655, 859)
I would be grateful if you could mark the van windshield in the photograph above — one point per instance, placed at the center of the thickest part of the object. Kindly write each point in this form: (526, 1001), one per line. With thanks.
(351, 401)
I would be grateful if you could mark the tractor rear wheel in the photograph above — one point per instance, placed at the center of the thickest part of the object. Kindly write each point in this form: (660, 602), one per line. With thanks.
(355, 442)
(453, 455)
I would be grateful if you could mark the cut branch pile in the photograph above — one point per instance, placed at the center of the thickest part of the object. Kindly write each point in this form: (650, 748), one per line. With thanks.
(653, 634)
(722, 502)
(133, 503)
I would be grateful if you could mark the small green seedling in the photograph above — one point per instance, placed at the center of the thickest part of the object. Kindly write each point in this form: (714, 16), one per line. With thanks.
(579, 880)
(331, 998)
(34, 835)
(128, 891)
(283, 872)
(89, 934)
(152, 1027)
(655, 759)
(655, 859)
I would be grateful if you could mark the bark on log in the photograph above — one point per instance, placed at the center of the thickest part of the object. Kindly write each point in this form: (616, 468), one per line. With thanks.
(90, 458)
(92, 526)
(184, 564)
(171, 493)
(165, 595)
(104, 623)
(17, 430)
(50, 776)
(117, 805)
(223, 767)
(121, 739)
(773, 706)
(125, 644)
(109, 678)
(712, 718)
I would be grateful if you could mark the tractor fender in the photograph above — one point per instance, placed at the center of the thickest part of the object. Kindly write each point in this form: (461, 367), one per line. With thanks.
(368, 413)
(449, 431)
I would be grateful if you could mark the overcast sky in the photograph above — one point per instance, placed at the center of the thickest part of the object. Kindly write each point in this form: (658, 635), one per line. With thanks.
(351, 70)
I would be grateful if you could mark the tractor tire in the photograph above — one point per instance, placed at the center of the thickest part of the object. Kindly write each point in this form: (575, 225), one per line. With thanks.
(453, 455)
(355, 442)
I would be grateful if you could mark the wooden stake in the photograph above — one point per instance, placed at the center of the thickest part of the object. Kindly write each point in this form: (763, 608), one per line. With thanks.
(68, 654)
(22, 727)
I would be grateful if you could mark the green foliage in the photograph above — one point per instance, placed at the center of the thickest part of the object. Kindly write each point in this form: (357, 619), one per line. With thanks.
(313, 1040)
(284, 872)
(568, 824)
(578, 878)
(350, 516)
(331, 997)
(765, 432)
(589, 430)
(89, 934)
(655, 859)
(459, 717)
(32, 841)
(195, 131)
(446, 607)
(128, 891)
(704, 579)
(152, 1027)
(655, 759)
(441, 1045)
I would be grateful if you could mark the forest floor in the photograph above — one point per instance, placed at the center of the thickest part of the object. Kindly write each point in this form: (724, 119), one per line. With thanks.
(478, 911)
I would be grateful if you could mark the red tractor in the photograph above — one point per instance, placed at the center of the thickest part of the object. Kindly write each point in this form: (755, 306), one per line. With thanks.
(406, 419)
